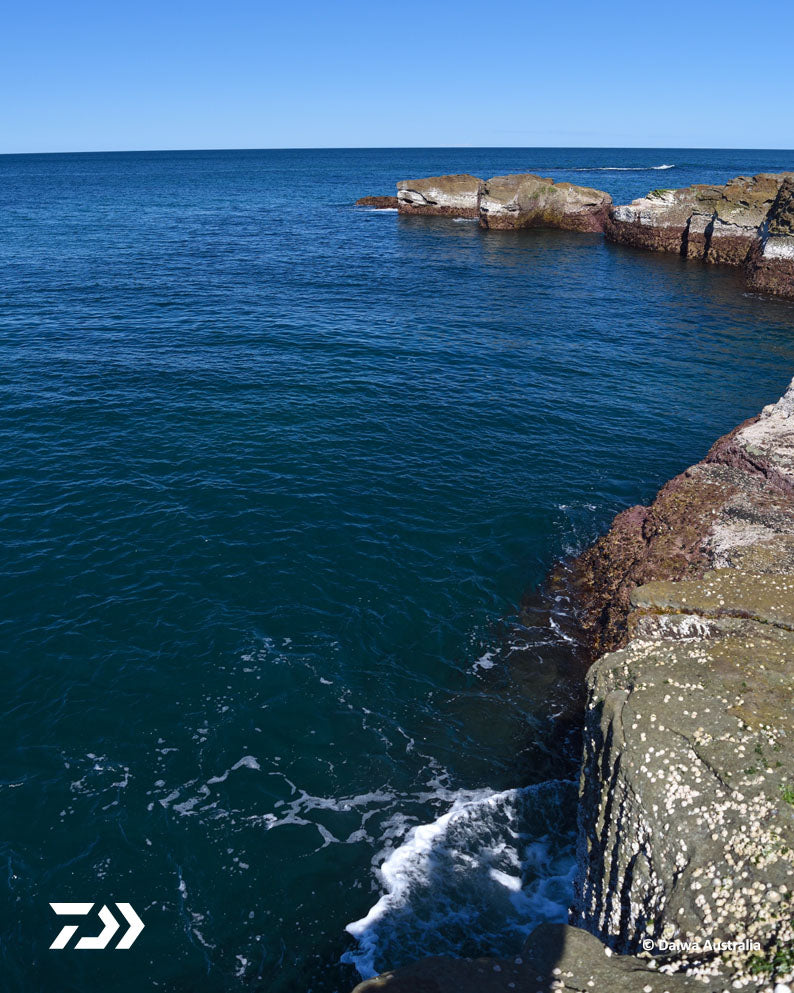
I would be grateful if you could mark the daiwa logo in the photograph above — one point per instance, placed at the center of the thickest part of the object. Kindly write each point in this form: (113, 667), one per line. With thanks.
(111, 925)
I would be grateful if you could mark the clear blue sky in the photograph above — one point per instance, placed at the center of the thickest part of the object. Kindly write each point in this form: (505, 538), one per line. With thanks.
(86, 75)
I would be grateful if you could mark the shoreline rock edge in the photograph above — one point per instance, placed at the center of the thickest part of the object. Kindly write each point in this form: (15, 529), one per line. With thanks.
(747, 223)
(685, 854)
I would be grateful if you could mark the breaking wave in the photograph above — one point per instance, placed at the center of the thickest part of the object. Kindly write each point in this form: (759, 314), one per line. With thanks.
(475, 881)
(655, 168)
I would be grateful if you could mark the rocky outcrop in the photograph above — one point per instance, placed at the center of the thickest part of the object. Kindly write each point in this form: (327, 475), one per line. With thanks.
(747, 222)
(712, 223)
(657, 222)
(687, 794)
(667, 540)
(527, 201)
(378, 202)
(731, 492)
(686, 817)
(771, 265)
(439, 196)
(518, 201)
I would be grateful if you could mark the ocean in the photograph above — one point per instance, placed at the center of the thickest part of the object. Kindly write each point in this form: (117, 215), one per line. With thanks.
(276, 475)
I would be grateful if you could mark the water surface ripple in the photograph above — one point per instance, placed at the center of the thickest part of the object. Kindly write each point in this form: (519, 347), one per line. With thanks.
(274, 475)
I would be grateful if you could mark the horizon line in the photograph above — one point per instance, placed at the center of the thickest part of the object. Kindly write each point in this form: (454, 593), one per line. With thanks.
(365, 148)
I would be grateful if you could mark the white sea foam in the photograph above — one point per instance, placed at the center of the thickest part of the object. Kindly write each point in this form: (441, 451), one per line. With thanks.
(555, 627)
(480, 877)
(656, 168)
(197, 803)
(246, 762)
(485, 661)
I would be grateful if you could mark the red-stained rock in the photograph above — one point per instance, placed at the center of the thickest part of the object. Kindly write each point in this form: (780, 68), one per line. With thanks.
(378, 202)
(673, 538)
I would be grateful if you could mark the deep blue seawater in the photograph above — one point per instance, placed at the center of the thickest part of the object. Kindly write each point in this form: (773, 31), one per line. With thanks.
(275, 473)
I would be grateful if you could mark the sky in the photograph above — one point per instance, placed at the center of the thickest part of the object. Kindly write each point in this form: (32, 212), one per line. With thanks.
(117, 75)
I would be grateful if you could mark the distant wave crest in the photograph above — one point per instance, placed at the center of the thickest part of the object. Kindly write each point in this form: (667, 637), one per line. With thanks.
(664, 165)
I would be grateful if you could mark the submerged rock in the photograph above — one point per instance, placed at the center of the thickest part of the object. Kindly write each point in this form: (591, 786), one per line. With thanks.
(451, 196)
(378, 202)
(527, 201)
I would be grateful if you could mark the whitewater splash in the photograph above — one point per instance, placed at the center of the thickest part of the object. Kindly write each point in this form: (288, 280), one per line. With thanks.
(474, 882)
(655, 168)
